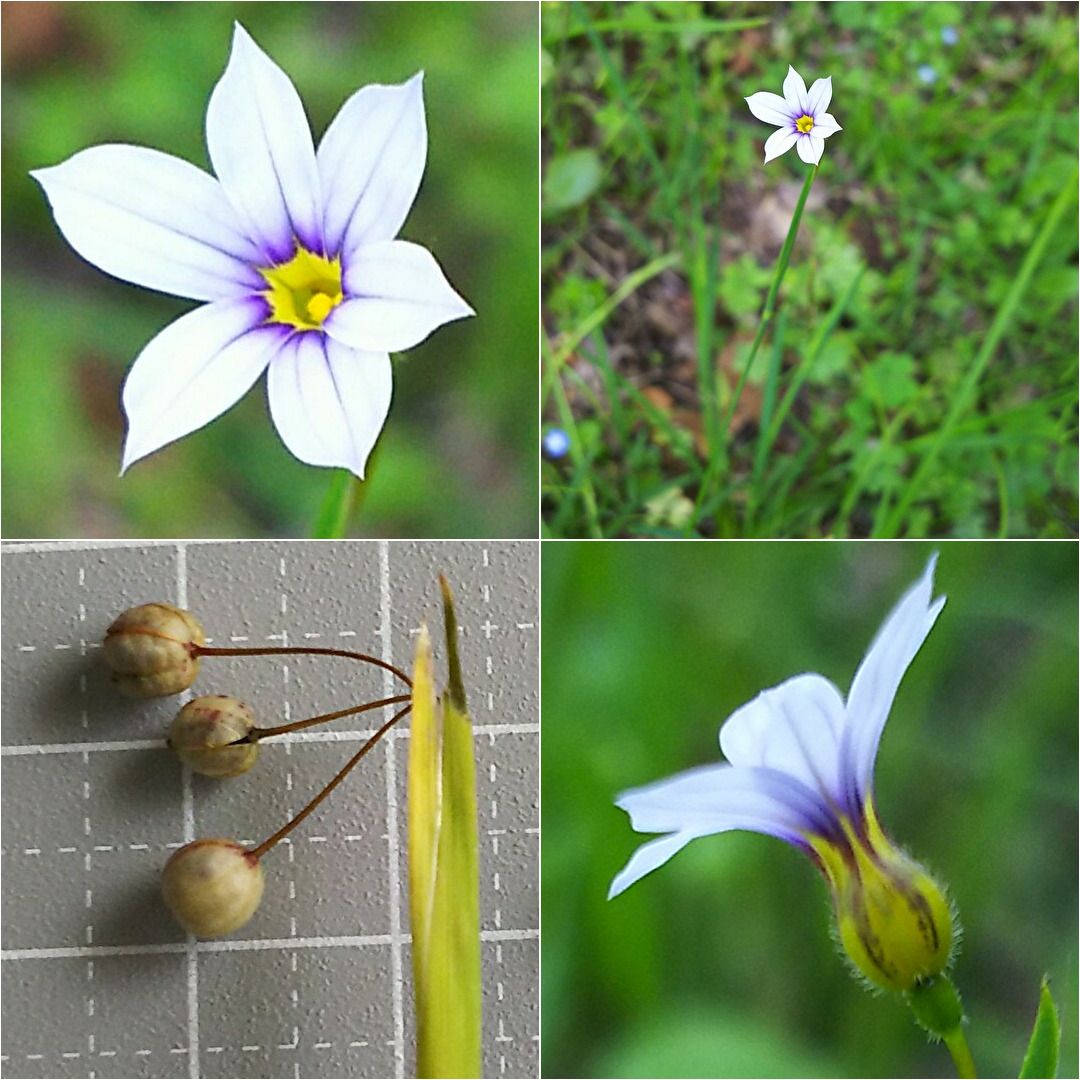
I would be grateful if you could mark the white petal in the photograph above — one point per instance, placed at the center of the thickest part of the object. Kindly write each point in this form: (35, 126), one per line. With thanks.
(820, 95)
(795, 728)
(329, 402)
(771, 108)
(194, 370)
(779, 142)
(810, 149)
(261, 149)
(646, 859)
(396, 295)
(795, 92)
(715, 799)
(370, 162)
(879, 675)
(826, 125)
(153, 220)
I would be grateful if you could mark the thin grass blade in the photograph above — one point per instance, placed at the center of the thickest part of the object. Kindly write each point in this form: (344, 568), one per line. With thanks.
(444, 902)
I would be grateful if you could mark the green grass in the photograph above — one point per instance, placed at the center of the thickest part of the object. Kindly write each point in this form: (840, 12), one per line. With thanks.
(721, 963)
(920, 378)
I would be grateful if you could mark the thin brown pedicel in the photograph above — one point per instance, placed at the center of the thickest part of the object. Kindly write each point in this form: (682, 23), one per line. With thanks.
(198, 650)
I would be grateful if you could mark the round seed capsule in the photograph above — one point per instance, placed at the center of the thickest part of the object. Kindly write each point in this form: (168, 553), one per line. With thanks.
(149, 650)
(205, 736)
(212, 887)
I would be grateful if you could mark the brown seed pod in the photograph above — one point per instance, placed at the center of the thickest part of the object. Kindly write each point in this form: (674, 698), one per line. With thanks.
(149, 649)
(205, 736)
(212, 887)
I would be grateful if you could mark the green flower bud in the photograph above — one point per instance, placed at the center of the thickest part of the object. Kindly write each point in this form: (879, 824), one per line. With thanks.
(149, 649)
(893, 919)
(212, 887)
(206, 734)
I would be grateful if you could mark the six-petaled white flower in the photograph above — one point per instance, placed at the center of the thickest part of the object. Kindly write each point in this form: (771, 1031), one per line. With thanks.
(801, 767)
(292, 249)
(799, 116)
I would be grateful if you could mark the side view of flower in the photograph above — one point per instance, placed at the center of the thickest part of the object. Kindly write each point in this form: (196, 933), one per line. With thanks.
(800, 767)
(799, 116)
(291, 249)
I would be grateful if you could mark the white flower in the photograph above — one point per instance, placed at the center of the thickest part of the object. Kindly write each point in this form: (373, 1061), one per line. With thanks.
(293, 251)
(801, 768)
(799, 115)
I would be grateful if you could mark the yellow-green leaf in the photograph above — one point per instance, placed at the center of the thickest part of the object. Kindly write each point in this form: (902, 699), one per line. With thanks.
(1041, 1059)
(444, 901)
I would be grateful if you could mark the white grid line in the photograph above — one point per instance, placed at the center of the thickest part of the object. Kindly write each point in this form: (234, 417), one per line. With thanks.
(345, 941)
(191, 973)
(29, 749)
(387, 647)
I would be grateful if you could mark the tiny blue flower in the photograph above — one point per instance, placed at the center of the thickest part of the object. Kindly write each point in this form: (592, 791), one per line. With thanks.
(556, 443)
(926, 73)
(949, 35)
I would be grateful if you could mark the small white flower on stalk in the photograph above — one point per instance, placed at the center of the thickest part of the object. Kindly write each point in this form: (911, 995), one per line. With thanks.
(799, 116)
(801, 768)
(292, 249)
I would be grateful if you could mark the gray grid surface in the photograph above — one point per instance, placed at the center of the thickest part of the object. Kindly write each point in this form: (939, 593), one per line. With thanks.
(97, 979)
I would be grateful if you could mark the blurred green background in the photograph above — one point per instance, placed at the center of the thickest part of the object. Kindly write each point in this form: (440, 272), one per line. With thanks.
(457, 456)
(721, 963)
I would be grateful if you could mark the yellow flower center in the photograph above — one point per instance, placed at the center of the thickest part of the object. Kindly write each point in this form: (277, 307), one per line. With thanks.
(894, 921)
(805, 124)
(304, 290)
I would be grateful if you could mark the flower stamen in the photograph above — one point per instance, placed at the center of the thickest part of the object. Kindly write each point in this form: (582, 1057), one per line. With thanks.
(304, 290)
(805, 124)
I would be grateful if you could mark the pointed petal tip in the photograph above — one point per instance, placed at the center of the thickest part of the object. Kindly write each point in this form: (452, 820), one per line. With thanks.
(129, 457)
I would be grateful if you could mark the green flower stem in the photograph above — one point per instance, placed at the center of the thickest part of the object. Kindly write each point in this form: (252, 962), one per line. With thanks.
(333, 520)
(961, 1055)
(937, 1008)
(767, 313)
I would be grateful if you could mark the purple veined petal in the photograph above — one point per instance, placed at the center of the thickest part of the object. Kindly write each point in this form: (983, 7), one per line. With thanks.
(795, 92)
(371, 160)
(779, 142)
(771, 108)
(329, 402)
(196, 368)
(819, 96)
(151, 219)
(714, 799)
(878, 679)
(826, 125)
(396, 295)
(261, 149)
(765, 799)
(810, 148)
(795, 728)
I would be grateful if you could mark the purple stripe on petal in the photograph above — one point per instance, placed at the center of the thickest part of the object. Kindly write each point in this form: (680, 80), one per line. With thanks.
(815, 814)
